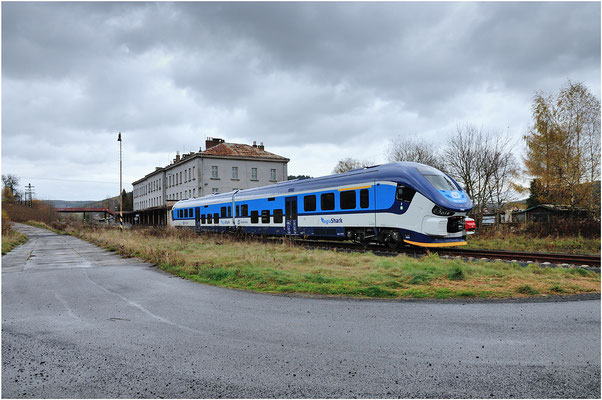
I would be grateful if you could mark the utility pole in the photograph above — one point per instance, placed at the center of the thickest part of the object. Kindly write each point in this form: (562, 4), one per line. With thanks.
(120, 187)
(29, 193)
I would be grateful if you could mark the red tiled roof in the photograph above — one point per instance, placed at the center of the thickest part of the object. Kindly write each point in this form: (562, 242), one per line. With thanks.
(241, 150)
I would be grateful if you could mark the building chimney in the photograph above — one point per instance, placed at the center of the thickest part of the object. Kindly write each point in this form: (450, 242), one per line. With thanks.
(177, 156)
(260, 147)
(254, 144)
(210, 142)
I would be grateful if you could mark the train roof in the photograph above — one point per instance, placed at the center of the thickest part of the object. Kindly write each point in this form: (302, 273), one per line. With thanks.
(408, 173)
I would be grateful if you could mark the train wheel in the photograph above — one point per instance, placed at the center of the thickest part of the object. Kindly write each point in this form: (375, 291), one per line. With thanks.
(360, 239)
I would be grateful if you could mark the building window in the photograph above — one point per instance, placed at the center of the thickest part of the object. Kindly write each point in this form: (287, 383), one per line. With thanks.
(180, 177)
(234, 172)
(272, 174)
(185, 176)
(214, 172)
(253, 174)
(193, 192)
(214, 191)
(189, 174)
(193, 174)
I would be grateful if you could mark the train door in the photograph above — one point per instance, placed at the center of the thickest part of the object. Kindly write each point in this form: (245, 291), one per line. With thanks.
(197, 218)
(290, 215)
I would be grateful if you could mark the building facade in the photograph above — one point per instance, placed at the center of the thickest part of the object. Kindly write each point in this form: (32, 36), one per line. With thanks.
(221, 168)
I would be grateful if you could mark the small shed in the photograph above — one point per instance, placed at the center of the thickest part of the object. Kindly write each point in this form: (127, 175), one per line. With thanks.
(549, 212)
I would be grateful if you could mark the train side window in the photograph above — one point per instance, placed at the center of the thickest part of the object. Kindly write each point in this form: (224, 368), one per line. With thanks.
(348, 199)
(229, 211)
(327, 201)
(271, 198)
(309, 202)
(203, 218)
(237, 211)
(209, 219)
(216, 218)
(244, 210)
(223, 211)
(254, 217)
(278, 216)
(364, 198)
(265, 216)
(181, 213)
(404, 193)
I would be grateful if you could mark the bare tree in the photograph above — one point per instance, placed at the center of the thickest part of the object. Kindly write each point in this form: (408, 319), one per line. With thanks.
(11, 182)
(348, 164)
(416, 150)
(483, 162)
(504, 169)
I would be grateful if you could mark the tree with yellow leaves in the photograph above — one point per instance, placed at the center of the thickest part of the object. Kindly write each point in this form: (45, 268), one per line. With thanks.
(563, 146)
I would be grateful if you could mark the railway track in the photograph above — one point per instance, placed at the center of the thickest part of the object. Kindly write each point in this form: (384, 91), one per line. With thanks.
(557, 259)
(552, 258)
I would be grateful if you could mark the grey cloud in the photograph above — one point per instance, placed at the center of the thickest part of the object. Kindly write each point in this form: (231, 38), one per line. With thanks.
(312, 74)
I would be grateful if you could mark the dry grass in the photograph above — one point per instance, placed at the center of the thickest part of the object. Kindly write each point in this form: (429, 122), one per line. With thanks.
(523, 242)
(281, 267)
(10, 237)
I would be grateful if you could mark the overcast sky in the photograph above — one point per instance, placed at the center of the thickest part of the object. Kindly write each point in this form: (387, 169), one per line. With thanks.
(316, 82)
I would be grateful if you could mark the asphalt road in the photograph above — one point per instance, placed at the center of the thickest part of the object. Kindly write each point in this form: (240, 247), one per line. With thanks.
(81, 322)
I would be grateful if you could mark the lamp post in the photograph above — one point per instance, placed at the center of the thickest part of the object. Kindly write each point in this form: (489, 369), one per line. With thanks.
(120, 187)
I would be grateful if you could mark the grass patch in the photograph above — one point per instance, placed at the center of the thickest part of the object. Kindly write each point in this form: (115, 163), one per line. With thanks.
(526, 289)
(456, 274)
(523, 242)
(42, 225)
(12, 239)
(282, 268)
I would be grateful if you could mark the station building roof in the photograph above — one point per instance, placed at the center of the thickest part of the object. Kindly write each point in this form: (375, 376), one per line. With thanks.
(237, 150)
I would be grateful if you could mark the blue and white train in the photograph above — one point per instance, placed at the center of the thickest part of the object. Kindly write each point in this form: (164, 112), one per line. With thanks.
(393, 204)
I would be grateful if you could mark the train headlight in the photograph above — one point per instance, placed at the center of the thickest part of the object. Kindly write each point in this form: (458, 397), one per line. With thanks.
(442, 211)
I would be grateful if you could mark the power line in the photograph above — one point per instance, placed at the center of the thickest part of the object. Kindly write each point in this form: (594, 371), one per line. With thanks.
(68, 180)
